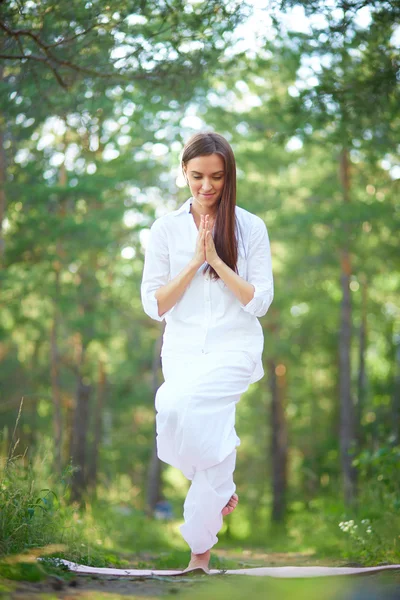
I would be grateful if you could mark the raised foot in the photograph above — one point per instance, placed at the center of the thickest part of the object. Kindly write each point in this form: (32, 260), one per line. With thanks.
(232, 504)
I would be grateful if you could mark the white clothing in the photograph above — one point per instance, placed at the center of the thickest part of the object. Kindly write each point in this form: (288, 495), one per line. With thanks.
(209, 317)
(211, 353)
(196, 433)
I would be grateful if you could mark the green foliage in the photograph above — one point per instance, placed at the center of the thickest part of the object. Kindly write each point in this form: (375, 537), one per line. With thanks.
(382, 467)
(80, 43)
(30, 515)
(366, 535)
(22, 571)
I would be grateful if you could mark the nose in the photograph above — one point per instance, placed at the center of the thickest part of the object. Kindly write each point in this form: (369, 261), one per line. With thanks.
(206, 186)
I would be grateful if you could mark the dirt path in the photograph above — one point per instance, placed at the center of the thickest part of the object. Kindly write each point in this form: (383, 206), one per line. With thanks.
(83, 587)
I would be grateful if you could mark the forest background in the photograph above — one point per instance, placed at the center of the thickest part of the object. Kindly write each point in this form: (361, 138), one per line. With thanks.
(97, 100)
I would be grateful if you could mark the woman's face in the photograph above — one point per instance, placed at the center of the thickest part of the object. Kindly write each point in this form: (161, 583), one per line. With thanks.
(206, 176)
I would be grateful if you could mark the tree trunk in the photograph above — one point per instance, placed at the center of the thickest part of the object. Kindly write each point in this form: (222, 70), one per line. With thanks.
(396, 396)
(55, 384)
(79, 431)
(54, 351)
(362, 377)
(154, 472)
(279, 440)
(310, 460)
(2, 181)
(98, 429)
(347, 436)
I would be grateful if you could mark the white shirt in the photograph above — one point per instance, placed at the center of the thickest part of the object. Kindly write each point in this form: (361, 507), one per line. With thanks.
(209, 317)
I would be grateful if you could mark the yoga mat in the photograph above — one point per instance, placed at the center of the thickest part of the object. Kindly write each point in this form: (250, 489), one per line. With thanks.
(283, 572)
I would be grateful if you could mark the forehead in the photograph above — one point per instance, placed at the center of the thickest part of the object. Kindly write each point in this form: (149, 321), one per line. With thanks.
(206, 164)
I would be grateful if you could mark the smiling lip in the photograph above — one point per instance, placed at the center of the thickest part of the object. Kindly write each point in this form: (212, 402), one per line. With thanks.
(209, 194)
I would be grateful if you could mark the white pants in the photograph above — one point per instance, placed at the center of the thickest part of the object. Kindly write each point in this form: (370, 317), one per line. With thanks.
(196, 433)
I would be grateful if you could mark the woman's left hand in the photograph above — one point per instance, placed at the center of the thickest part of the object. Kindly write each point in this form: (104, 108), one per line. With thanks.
(210, 251)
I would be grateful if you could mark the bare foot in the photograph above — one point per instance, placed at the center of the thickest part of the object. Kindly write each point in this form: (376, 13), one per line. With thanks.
(232, 504)
(199, 560)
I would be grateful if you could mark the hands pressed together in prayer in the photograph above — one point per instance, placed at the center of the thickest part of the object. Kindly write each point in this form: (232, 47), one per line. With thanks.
(169, 294)
(206, 252)
(205, 248)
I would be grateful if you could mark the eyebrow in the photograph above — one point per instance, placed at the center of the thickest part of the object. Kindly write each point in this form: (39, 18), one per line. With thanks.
(215, 173)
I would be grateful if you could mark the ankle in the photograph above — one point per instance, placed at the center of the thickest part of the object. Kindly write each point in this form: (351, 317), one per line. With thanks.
(203, 555)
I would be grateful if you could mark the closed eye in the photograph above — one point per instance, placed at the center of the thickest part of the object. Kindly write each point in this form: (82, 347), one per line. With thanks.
(217, 178)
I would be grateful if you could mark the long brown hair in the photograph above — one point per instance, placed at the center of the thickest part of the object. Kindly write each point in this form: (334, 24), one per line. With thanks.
(225, 240)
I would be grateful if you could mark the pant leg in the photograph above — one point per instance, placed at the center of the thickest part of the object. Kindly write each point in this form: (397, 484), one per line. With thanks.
(196, 434)
(209, 492)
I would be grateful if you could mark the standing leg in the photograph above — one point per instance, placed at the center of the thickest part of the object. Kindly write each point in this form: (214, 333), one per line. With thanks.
(204, 502)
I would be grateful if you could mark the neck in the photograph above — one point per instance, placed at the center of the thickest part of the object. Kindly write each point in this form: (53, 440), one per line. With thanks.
(198, 209)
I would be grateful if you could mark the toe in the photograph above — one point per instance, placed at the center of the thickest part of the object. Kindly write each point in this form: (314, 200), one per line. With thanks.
(231, 504)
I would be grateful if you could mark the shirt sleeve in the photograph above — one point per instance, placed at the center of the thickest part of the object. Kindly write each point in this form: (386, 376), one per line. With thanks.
(259, 270)
(155, 270)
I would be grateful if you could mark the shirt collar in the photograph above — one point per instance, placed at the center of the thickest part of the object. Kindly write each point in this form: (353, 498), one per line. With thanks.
(185, 207)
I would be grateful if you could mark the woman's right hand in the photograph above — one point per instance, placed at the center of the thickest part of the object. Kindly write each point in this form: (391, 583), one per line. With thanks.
(199, 257)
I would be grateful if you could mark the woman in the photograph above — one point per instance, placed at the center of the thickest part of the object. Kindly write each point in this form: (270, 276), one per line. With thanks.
(208, 273)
